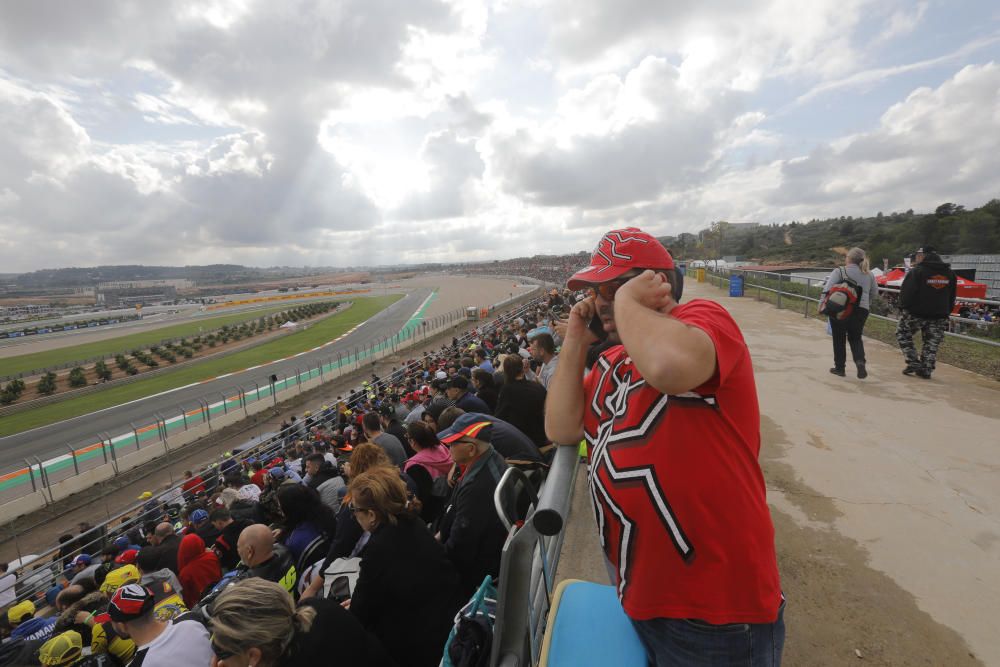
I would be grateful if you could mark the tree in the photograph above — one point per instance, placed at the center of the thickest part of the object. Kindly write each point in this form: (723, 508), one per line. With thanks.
(102, 370)
(77, 378)
(47, 385)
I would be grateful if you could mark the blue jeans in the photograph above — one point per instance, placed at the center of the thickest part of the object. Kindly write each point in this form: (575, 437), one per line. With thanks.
(680, 642)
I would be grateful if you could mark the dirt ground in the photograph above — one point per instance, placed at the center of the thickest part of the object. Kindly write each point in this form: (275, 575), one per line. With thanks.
(884, 498)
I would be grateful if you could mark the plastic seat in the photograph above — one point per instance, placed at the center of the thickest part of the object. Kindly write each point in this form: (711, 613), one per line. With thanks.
(587, 626)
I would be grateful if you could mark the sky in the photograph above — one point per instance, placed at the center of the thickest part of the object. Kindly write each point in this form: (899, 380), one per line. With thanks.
(391, 132)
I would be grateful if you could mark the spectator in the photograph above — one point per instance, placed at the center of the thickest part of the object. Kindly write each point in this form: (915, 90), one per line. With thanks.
(482, 382)
(255, 622)
(308, 524)
(63, 650)
(509, 441)
(471, 530)
(193, 484)
(702, 556)
(199, 567)
(481, 360)
(849, 330)
(166, 544)
(83, 569)
(391, 425)
(229, 534)
(414, 402)
(543, 349)
(162, 582)
(393, 447)
(349, 533)
(158, 643)
(926, 297)
(406, 592)
(323, 478)
(431, 463)
(21, 617)
(458, 391)
(522, 402)
(7, 581)
(257, 478)
(203, 527)
(265, 559)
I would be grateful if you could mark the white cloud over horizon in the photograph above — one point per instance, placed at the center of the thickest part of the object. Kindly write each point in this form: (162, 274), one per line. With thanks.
(352, 132)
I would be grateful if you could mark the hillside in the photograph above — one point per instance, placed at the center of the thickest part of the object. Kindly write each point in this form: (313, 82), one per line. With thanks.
(950, 229)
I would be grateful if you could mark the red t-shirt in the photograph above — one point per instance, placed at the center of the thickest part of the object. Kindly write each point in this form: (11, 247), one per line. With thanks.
(194, 485)
(677, 489)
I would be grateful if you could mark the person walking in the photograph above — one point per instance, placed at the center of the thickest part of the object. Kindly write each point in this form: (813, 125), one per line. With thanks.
(672, 424)
(926, 299)
(849, 330)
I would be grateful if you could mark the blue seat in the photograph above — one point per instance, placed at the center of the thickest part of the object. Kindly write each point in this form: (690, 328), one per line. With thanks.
(587, 626)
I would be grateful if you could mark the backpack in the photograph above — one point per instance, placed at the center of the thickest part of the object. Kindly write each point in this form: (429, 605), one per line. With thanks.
(842, 299)
(471, 640)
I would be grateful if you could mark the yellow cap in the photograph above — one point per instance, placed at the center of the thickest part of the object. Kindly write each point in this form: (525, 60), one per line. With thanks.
(307, 413)
(145, 495)
(20, 610)
(63, 649)
(126, 574)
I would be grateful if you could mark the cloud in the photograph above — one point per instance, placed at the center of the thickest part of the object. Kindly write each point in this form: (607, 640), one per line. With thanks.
(453, 166)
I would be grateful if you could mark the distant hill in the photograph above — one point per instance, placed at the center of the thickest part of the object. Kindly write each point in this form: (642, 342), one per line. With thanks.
(213, 273)
(951, 229)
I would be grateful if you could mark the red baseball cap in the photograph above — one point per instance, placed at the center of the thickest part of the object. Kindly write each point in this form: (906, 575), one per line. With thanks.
(618, 252)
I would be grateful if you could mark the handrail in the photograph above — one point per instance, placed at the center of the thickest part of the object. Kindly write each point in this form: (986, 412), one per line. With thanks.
(528, 565)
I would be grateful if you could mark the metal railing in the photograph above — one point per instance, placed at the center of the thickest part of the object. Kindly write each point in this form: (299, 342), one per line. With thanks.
(722, 275)
(40, 574)
(529, 562)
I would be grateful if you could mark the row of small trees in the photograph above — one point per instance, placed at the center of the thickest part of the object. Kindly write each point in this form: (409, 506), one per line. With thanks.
(168, 352)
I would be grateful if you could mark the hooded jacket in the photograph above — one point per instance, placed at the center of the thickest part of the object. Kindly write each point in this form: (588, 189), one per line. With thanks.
(200, 569)
(929, 289)
(437, 461)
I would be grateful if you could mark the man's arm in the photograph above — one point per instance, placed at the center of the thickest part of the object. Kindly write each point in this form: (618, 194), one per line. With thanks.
(673, 357)
(564, 402)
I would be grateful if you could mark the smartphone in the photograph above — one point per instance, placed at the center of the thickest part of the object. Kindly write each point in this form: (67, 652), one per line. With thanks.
(597, 328)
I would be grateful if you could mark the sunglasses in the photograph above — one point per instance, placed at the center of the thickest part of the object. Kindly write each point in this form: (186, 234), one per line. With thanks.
(354, 510)
(220, 653)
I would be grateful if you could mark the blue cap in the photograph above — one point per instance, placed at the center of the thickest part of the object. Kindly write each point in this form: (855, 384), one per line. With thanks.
(198, 516)
(82, 559)
(121, 542)
(277, 472)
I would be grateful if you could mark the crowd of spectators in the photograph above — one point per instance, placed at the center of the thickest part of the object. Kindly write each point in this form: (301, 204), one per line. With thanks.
(234, 566)
(548, 268)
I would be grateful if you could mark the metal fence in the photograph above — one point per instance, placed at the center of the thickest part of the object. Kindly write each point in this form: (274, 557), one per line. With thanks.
(40, 571)
(810, 295)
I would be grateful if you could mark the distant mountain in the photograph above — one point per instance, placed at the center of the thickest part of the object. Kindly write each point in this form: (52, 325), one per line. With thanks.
(214, 273)
(951, 230)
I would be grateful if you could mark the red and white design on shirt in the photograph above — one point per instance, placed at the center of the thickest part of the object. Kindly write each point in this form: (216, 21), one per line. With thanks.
(677, 490)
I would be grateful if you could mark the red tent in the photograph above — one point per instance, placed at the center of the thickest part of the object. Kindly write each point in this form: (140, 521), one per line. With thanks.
(967, 289)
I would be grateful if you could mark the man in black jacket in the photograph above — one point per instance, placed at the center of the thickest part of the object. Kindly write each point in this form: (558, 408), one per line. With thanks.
(926, 299)
(470, 530)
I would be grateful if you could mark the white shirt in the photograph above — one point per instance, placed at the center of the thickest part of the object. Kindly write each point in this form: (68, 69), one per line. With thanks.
(184, 643)
(7, 596)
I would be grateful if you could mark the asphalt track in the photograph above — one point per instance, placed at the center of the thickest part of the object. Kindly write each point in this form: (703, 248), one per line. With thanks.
(52, 440)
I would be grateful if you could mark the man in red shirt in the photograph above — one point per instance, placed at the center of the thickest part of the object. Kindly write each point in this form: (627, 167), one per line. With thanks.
(670, 416)
(193, 484)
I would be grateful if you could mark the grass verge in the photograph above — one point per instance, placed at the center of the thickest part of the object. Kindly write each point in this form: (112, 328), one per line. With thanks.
(122, 344)
(317, 334)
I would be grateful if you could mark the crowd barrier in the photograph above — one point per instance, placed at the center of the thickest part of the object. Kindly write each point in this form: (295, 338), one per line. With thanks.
(33, 581)
(40, 483)
(809, 293)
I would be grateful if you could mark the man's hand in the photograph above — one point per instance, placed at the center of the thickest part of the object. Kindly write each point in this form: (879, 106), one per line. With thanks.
(576, 327)
(649, 289)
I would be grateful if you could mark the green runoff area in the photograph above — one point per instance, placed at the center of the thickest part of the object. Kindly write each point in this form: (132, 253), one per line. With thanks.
(123, 344)
(316, 334)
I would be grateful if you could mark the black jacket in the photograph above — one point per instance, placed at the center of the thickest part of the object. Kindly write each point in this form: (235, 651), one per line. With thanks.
(353, 646)
(929, 290)
(522, 404)
(470, 529)
(280, 568)
(406, 592)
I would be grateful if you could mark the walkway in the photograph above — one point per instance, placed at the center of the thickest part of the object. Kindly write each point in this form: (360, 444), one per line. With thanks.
(885, 495)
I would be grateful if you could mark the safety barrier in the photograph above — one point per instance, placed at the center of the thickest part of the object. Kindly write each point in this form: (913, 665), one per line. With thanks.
(40, 483)
(45, 568)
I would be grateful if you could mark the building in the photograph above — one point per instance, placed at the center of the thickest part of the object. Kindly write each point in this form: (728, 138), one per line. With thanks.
(123, 297)
(983, 268)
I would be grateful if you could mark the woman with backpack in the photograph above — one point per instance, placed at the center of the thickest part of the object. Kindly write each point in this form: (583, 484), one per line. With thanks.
(854, 277)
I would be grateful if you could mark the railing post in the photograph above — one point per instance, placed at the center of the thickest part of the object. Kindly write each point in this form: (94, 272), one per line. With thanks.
(780, 287)
(76, 465)
(184, 416)
(31, 475)
(135, 434)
